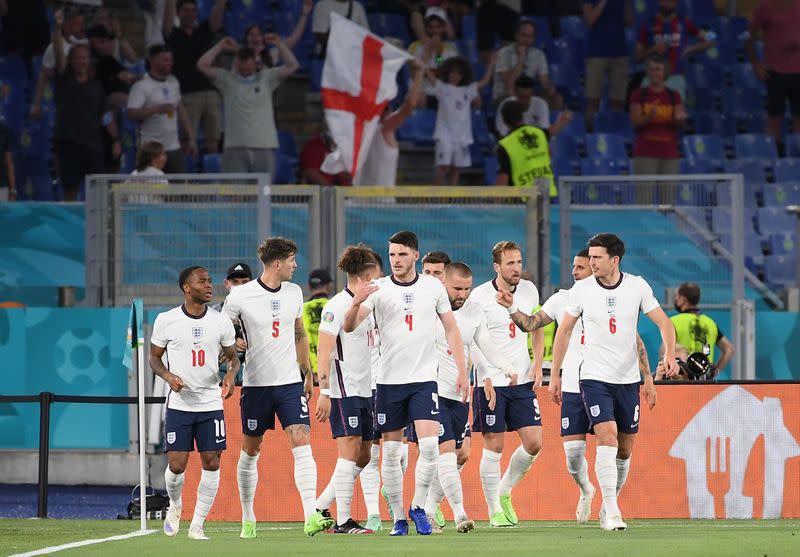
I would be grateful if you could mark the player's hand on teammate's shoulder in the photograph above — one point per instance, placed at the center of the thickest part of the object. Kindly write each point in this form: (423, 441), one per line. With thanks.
(488, 390)
(364, 290)
(175, 383)
(504, 298)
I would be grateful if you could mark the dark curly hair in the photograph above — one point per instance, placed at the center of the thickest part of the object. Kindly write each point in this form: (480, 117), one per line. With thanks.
(357, 259)
(459, 64)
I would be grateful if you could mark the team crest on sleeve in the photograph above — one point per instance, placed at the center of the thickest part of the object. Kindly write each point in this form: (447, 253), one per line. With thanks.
(353, 421)
(564, 423)
(276, 306)
(197, 333)
(490, 419)
(327, 317)
(381, 419)
(170, 437)
(408, 299)
(252, 424)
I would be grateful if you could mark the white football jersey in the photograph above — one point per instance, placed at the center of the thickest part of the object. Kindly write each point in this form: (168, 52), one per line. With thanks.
(267, 318)
(472, 326)
(375, 355)
(351, 361)
(554, 307)
(610, 315)
(193, 348)
(505, 335)
(406, 316)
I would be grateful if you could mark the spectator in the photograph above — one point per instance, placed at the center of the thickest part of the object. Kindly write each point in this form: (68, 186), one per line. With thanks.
(522, 58)
(155, 102)
(608, 53)
(496, 18)
(380, 166)
(667, 35)
(189, 41)
(251, 136)
(321, 19)
(455, 91)
(432, 51)
(80, 115)
(776, 23)
(256, 38)
(116, 80)
(416, 18)
(150, 160)
(8, 179)
(153, 12)
(657, 113)
(523, 156)
(121, 48)
(320, 286)
(697, 331)
(312, 157)
(74, 30)
(536, 112)
(681, 354)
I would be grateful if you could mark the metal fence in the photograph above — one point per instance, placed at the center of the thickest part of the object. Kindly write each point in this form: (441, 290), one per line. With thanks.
(141, 231)
(676, 229)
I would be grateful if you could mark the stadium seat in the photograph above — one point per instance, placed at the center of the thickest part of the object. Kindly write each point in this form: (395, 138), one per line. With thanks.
(723, 196)
(573, 27)
(721, 220)
(782, 244)
(614, 122)
(781, 194)
(599, 167)
(390, 25)
(753, 253)
(563, 145)
(544, 37)
(490, 169)
(696, 166)
(564, 165)
(700, 98)
(469, 28)
(744, 77)
(752, 169)
(697, 77)
(480, 129)
(713, 122)
(730, 29)
(212, 163)
(607, 146)
(287, 144)
(603, 194)
(775, 220)
(700, 10)
(12, 68)
(719, 55)
(284, 173)
(793, 145)
(692, 194)
(576, 128)
(41, 188)
(757, 146)
(418, 128)
(743, 100)
(705, 147)
(780, 269)
(316, 74)
(787, 170)
(751, 121)
(713, 71)
(476, 155)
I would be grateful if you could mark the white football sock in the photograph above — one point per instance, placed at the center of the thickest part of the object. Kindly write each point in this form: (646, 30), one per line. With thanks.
(518, 466)
(328, 495)
(490, 480)
(451, 483)
(371, 482)
(393, 477)
(174, 483)
(344, 478)
(435, 493)
(404, 458)
(427, 464)
(247, 478)
(206, 493)
(605, 468)
(305, 478)
(623, 465)
(577, 465)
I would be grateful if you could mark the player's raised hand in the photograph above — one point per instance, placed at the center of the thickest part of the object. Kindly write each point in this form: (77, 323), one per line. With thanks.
(175, 383)
(228, 385)
(364, 290)
(504, 298)
(491, 396)
(649, 392)
(323, 408)
(555, 388)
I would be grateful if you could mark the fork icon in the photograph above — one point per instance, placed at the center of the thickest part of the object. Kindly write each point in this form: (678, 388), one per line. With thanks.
(718, 475)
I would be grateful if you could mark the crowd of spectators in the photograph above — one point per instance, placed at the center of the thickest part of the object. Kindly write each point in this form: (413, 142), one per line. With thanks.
(206, 81)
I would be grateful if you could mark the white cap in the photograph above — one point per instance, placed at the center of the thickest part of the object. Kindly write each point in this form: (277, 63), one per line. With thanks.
(436, 11)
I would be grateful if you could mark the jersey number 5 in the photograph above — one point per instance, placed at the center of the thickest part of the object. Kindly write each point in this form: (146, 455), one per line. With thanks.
(276, 329)
(612, 325)
(198, 358)
(410, 321)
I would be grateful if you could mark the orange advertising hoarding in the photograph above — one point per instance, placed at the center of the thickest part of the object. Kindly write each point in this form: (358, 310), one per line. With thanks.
(705, 451)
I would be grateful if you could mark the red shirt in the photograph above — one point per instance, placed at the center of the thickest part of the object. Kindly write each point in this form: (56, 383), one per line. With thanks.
(778, 22)
(313, 156)
(659, 138)
(674, 32)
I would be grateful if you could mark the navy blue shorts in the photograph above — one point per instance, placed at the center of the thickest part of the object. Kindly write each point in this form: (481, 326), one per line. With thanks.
(398, 405)
(183, 429)
(610, 402)
(410, 433)
(574, 420)
(516, 407)
(352, 417)
(453, 421)
(259, 406)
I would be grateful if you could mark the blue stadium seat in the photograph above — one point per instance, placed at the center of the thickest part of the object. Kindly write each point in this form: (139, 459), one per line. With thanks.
(284, 172)
(12, 68)
(390, 25)
(564, 165)
(782, 244)
(713, 122)
(697, 77)
(563, 145)
(603, 194)
(316, 74)
(787, 170)
(756, 145)
(753, 253)
(718, 54)
(705, 147)
(468, 48)
(700, 98)
(721, 220)
(576, 128)
(568, 52)
(780, 269)
(41, 188)
(696, 166)
(780, 195)
(212, 163)
(469, 28)
(692, 194)
(476, 155)
(418, 128)
(751, 169)
(287, 144)
(793, 145)
(742, 100)
(775, 220)
(480, 129)
(490, 169)
(543, 35)
(712, 70)
(13, 106)
(730, 29)
(700, 10)
(607, 146)
(614, 122)
(573, 27)
(751, 121)
(599, 167)
(744, 78)
(723, 196)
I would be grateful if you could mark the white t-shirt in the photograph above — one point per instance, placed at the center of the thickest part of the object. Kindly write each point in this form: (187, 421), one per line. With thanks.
(534, 66)
(406, 316)
(267, 317)
(49, 56)
(554, 307)
(193, 348)
(610, 316)
(380, 166)
(472, 326)
(351, 361)
(417, 50)
(538, 114)
(505, 335)
(163, 128)
(149, 171)
(454, 115)
(153, 20)
(321, 15)
(375, 357)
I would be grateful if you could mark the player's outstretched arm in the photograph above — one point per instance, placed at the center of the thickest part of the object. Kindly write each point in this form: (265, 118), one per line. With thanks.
(660, 319)
(648, 388)
(303, 357)
(527, 323)
(230, 354)
(325, 345)
(456, 345)
(157, 366)
(560, 344)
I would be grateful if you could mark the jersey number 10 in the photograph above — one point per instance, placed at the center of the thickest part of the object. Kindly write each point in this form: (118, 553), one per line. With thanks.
(198, 358)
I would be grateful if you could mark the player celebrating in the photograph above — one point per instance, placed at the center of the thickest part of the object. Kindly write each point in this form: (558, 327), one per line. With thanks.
(268, 308)
(454, 417)
(405, 306)
(191, 335)
(345, 386)
(608, 305)
(516, 407)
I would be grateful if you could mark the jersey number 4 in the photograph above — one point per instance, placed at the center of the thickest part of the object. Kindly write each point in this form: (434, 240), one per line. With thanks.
(410, 321)
(198, 358)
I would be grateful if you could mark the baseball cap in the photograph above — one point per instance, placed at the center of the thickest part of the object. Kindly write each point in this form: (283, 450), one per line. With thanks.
(437, 12)
(318, 277)
(239, 270)
(99, 31)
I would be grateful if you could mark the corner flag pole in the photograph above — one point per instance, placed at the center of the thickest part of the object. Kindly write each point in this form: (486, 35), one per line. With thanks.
(135, 343)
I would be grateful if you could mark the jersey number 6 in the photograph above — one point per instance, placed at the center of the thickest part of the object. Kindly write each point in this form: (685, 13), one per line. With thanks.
(612, 325)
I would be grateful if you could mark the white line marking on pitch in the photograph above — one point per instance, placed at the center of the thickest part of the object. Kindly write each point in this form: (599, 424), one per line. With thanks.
(73, 545)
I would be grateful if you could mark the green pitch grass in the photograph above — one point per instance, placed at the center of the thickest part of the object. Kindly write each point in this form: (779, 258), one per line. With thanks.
(564, 539)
